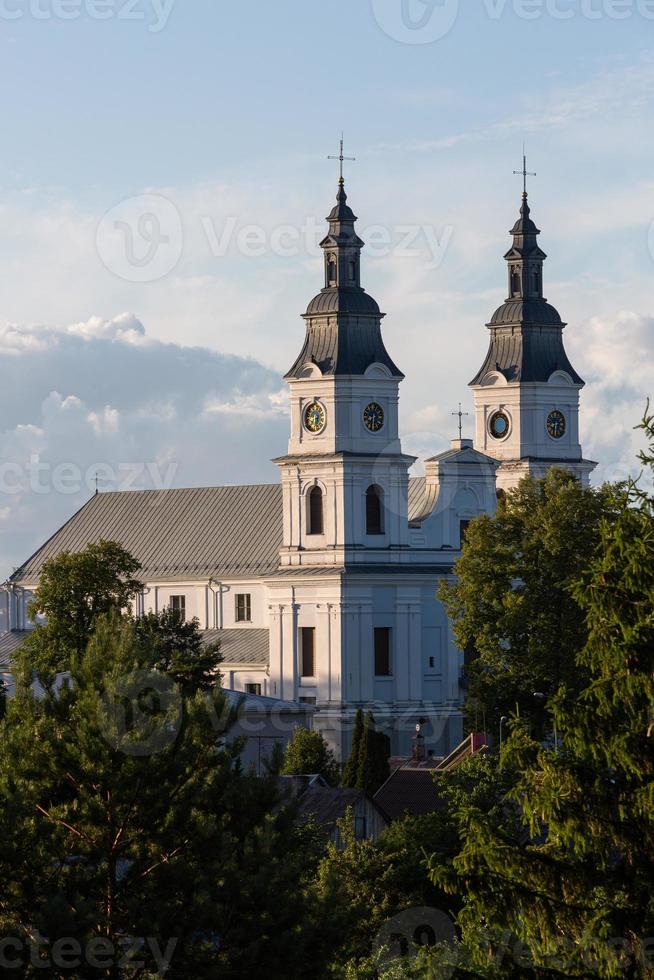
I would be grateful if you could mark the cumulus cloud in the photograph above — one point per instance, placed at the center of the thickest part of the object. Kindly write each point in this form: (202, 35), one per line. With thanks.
(102, 400)
(619, 358)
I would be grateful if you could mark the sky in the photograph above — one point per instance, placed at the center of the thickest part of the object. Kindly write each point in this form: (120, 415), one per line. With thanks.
(163, 186)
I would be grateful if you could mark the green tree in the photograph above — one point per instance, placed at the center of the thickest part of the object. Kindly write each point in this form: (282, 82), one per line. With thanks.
(74, 590)
(307, 753)
(366, 883)
(573, 885)
(351, 769)
(374, 752)
(119, 820)
(511, 603)
(177, 649)
(367, 765)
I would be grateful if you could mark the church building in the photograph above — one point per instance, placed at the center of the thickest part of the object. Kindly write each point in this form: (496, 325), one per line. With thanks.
(322, 589)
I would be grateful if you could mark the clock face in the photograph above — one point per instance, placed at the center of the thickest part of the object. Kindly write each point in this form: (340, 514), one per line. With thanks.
(373, 417)
(499, 425)
(556, 424)
(315, 417)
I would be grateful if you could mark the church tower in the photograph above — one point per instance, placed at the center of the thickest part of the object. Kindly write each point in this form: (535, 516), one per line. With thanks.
(345, 478)
(527, 392)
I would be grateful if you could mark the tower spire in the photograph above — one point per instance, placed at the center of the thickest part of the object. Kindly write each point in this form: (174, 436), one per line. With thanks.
(342, 158)
(524, 173)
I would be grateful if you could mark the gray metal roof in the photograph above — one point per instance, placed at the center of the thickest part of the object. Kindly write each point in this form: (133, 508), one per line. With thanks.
(349, 300)
(527, 352)
(241, 646)
(178, 534)
(237, 646)
(343, 344)
(259, 704)
(182, 535)
(9, 643)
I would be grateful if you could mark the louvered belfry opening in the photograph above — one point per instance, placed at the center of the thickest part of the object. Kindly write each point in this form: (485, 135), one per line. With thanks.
(374, 511)
(316, 512)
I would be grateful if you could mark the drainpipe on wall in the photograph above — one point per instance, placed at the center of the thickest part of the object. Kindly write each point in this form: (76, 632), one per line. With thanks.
(142, 594)
(217, 603)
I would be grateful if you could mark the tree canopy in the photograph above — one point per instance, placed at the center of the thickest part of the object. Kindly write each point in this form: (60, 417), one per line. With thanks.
(512, 604)
(570, 883)
(124, 812)
(308, 754)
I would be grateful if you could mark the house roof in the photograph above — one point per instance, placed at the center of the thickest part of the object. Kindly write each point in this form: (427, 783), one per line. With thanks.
(409, 790)
(9, 643)
(327, 804)
(182, 535)
(258, 704)
(241, 646)
(208, 532)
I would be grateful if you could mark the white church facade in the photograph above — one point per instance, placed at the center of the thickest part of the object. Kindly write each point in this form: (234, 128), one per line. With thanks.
(322, 589)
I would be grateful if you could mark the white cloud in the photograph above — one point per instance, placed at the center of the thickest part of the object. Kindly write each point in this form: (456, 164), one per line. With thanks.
(87, 401)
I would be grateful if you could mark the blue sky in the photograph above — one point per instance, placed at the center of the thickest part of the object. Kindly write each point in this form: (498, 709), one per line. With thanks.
(226, 112)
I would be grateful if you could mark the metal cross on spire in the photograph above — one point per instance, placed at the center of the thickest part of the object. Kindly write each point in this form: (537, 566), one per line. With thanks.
(342, 158)
(461, 415)
(524, 173)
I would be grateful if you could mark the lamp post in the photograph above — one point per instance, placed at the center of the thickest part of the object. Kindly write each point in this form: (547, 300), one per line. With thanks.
(502, 720)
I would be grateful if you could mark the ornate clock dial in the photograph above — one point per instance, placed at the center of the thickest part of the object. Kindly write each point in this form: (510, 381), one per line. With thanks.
(556, 424)
(373, 417)
(315, 417)
(499, 425)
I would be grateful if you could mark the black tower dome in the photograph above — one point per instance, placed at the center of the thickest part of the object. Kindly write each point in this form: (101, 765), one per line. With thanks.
(526, 331)
(343, 321)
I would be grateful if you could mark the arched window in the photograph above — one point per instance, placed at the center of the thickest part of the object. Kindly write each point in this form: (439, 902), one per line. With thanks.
(316, 519)
(374, 511)
(331, 271)
(537, 280)
(353, 271)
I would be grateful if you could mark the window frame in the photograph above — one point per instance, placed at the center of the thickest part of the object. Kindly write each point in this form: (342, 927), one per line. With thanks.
(181, 600)
(385, 652)
(304, 633)
(316, 528)
(256, 693)
(375, 528)
(247, 607)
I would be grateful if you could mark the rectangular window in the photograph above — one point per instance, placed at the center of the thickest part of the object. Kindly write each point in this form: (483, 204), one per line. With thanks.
(382, 652)
(178, 605)
(307, 700)
(253, 689)
(360, 828)
(463, 530)
(307, 651)
(244, 608)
